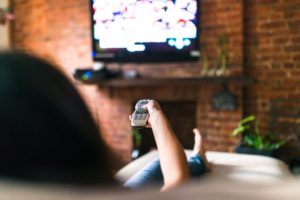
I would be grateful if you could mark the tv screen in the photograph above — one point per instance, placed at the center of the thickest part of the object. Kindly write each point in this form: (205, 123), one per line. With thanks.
(145, 30)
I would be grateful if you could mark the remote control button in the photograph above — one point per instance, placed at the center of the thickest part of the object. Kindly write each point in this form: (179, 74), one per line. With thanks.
(138, 117)
(144, 116)
(140, 111)
(140, 103)
(135, 116)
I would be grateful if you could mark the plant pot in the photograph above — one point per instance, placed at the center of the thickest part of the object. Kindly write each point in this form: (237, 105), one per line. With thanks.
(248, 150)
(136, 153)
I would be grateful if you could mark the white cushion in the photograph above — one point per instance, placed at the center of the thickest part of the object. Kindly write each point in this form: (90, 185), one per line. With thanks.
(225, 167)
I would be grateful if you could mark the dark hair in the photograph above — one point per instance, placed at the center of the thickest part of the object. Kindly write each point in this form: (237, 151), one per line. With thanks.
(46, 131)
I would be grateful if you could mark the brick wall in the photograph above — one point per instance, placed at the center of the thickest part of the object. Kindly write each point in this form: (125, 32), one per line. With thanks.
(56, 29)
(263, 42)
(272, 54)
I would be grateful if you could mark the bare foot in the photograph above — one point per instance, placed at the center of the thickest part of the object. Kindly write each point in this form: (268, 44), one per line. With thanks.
(199, 147)
(198, 143)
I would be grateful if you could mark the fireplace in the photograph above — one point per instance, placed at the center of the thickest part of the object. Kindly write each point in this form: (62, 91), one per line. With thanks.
(182, 117)
(187, 104)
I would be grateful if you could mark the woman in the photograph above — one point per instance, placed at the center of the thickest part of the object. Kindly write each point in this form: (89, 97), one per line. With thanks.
(171, 167)
(48, 135)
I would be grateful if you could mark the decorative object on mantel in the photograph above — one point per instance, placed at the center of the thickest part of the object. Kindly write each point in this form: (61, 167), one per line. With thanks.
(204, 61)
(254, 141)
(93, 75)
(224, 100)
(223, 56)
(221, 63)
(5, 16)
(130, 74)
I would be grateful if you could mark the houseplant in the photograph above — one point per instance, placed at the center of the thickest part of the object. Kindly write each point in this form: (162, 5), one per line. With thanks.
(253, 140)
(136, 141)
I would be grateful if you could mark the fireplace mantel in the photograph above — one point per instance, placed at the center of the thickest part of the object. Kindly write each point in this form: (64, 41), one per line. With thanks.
(193, 81)
(119, 83)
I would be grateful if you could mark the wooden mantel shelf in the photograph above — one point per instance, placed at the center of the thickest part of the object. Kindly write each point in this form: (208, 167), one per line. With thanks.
(193, 81)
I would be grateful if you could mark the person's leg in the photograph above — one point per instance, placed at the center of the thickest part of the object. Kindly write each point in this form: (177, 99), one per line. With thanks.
(152, 175)
(149, 175)
(199, 148)
(196, 165)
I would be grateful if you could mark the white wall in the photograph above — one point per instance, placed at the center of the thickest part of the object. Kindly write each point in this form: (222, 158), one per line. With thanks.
(4, 30)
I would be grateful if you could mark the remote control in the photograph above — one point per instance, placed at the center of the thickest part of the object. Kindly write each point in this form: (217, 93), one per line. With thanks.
(140, 116)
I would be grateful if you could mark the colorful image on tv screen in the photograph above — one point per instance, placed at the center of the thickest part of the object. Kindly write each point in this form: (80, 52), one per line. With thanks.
(142, 25)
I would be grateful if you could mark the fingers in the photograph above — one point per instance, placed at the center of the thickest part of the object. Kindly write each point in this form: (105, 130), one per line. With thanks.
(147, 104)
(148, 125)
(145, 107)
(152, 105)
(196, 131)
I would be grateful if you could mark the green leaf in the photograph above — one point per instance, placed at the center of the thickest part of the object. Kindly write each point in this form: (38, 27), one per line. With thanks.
(254, 141)
(137, 137)
(276, 145)
(249, 140)
(259, 142)
(239, 130)
(248, 119)
(252, 136)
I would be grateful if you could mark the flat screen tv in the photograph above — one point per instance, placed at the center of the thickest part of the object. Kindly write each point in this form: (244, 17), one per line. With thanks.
(145, 30)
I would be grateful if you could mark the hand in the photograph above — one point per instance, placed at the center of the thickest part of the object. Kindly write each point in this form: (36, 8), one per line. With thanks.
(152, 106)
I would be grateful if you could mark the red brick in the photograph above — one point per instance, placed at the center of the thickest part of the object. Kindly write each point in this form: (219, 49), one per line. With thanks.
(265, 33)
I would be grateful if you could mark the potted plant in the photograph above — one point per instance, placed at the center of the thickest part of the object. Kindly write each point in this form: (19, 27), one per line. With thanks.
(254, 141)
(137, 141)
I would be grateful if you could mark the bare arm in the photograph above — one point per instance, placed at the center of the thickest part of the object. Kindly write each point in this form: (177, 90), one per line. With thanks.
(172, 157)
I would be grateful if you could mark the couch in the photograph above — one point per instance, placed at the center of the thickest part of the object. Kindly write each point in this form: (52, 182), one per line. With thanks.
(242, 168)
(233, 177)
